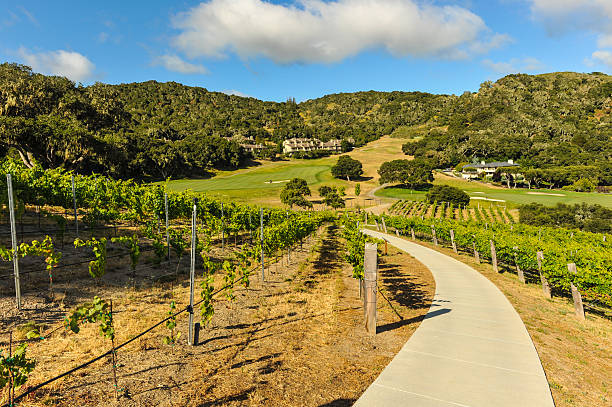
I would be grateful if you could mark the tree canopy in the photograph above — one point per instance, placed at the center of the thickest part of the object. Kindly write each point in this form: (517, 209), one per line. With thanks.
(412, 173)
(347, 167)
(447, 193)
(294, 193)
(154, 130)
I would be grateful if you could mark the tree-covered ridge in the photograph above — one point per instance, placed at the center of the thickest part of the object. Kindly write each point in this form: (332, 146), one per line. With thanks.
(541, 121)
(156, 130)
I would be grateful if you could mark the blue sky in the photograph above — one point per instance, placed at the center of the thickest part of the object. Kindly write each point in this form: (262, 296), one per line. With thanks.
(274, 50)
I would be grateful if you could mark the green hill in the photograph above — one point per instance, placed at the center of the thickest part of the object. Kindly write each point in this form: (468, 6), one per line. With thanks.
(153, 130)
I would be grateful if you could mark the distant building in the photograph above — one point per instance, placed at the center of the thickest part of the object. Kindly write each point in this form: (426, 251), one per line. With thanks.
(252, 148)
(471, 171)
(294, 145)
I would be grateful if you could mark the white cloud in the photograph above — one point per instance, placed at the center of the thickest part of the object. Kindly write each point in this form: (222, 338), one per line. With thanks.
(560, 16)
(603, 57)
(329, 31)
(236, 93)
(176, 64)
(72, 65)
(515, 65)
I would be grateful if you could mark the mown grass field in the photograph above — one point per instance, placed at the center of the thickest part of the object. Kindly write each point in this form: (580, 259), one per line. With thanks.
(252, 185)
(262, 184)
(503, 196)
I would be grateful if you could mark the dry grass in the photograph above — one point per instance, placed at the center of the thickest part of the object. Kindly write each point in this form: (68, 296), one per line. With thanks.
(577, 356)
(297, 340)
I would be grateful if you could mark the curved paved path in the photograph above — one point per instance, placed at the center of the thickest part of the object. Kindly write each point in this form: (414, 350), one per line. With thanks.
(471, 349)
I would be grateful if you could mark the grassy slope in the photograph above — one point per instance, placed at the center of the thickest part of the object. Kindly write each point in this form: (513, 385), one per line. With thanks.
(251, 185)
(512, 197)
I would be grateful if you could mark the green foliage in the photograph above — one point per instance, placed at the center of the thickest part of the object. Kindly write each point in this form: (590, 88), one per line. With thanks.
(347, 167)
(582, 185)
(97, 267)
(96, 311)
(591, 218)
(293, 193)
(519, 245)
(15, 369)
(171, 325)
(412, 173)
(357, 189)
(179, 240)
(131, 243)
(157, 130)
(446, 193)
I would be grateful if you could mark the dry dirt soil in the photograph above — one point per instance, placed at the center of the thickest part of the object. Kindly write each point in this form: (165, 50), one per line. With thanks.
(296, 340)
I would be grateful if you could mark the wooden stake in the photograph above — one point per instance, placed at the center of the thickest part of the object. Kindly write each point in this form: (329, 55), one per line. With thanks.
(521, 275)
(370, 266)
(494, 257)
(578, 307)
(452, 236)
(545, 286)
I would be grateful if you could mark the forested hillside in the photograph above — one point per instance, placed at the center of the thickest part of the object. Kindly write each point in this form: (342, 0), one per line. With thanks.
(553, 120)
(155, 130)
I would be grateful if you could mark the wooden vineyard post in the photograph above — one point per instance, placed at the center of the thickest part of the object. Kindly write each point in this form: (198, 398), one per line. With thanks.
(376, 222)
(578, 307)
(261, 236)
(76, 218)
(412, 233)
(433, 235)
(192, 271)
(476, 254)
(384, 225)
(370, 268)
(396, 232)
(9, 184)
(167, 225)
(452, 236)
(521, 275)
(494, 257)
(543, 280)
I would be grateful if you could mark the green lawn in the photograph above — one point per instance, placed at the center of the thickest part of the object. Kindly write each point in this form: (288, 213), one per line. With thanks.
(254, 184)
(511, 197)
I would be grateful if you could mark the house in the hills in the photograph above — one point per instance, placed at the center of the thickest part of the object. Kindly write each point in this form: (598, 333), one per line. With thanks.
(471, 171)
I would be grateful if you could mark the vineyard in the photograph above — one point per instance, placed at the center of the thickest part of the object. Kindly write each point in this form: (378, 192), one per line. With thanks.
(62, 230)
(516, 247)
(443, 210)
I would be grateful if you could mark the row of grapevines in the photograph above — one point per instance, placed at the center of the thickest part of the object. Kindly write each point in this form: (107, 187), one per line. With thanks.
(518, 244)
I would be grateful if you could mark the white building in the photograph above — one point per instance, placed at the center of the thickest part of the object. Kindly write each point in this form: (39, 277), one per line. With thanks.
(471, 171)
(294, 145)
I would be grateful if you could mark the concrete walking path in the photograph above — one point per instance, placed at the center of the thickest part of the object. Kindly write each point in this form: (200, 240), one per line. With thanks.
(471, 350)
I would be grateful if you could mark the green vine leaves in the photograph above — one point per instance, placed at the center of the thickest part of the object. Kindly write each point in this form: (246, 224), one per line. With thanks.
(97, 267)
(96, 311)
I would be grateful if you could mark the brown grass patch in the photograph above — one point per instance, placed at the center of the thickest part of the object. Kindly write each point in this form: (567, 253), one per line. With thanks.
(296, 340)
